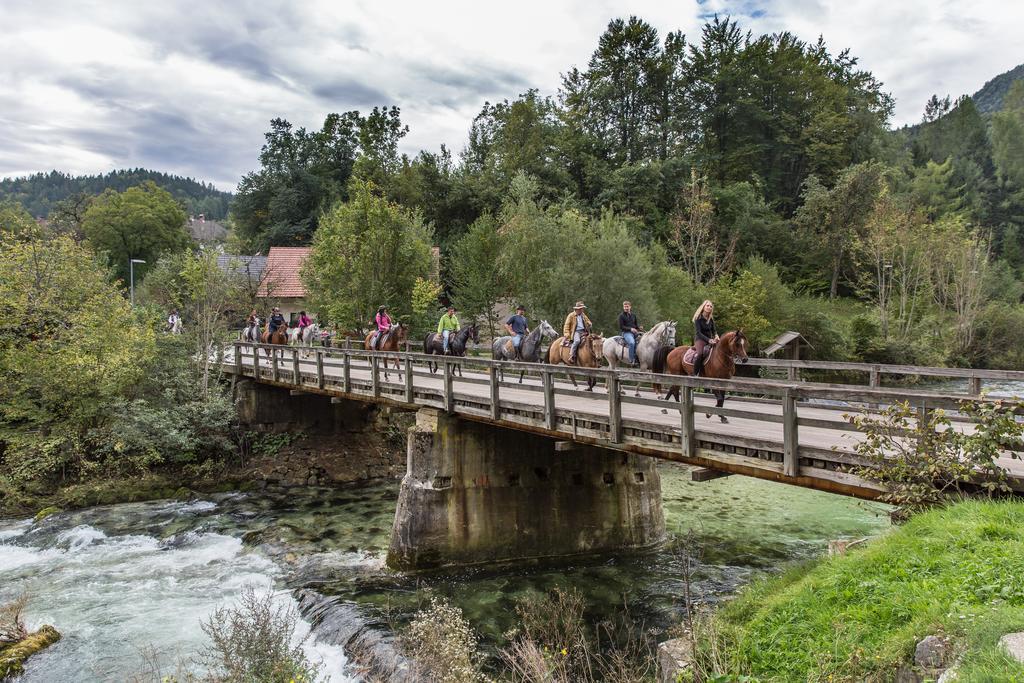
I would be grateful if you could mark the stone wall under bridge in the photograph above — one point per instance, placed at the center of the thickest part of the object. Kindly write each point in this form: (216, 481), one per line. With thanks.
(476, 493)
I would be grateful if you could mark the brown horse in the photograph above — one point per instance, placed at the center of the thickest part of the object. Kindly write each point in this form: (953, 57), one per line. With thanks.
(392, 342)
(279, 337)
(588, 355)
(721, 364)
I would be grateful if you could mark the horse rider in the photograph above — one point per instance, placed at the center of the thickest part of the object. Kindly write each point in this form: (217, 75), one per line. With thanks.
(383, 322)
(630, 328)
(173, 321)
(251, 324)
(446, 325)
(518, 327)
(276, 320)
(304, 322)
(704, 334)
(577, 325)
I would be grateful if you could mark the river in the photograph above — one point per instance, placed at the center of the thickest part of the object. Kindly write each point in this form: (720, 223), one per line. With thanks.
(119, 580)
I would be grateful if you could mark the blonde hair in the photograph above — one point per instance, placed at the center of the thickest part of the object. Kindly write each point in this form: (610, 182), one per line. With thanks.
(700, 309)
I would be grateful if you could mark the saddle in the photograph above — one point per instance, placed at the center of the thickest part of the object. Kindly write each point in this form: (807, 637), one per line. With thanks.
(510, 348)
(691, 354)
(373, 340)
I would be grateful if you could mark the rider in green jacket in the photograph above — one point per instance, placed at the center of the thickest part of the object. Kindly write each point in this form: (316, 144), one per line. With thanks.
(446, 325)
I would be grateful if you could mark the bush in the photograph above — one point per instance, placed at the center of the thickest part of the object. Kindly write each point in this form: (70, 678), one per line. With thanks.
(442, 644)
(255, 641)
(924, 461)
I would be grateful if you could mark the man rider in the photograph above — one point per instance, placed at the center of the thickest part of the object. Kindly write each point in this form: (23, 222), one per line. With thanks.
(173, 320)
(629, 327)
(518, 328)
(276, 320)
(577, 325)
(383, 322)
(446, 325)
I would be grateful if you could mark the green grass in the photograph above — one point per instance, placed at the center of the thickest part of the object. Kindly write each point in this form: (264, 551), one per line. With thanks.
(958, 571)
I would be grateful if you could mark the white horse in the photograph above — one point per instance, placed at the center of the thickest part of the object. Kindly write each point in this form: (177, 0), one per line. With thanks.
(616, 352)
(310, 333)
(251, 333)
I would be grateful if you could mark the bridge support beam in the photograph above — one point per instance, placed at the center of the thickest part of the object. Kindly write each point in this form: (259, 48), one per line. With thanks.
(475, 493)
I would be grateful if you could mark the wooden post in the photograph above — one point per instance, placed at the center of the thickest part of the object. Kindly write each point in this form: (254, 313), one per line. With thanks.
(320, 368)
(688, 432)
(295, 367)
(346, 373)
(974, 386)
(274, 374)
(409, 397)
(614, 410)
(492, 376)
(238, 358)
(549, 400)
(256, 361)
(449, 399)
(790, 437)
(875, 379)
(375, 374)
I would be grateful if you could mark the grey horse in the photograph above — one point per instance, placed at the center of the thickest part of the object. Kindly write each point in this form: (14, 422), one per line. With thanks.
(662, 334)
(529, 350)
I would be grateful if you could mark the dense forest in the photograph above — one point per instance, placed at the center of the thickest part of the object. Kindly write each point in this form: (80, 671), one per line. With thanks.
(40, 193)
(748, 168)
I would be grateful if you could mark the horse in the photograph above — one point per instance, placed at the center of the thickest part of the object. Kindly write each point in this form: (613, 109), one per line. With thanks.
(309, 334)
(616, 352)
(588, 355)
(280, 337)
(433, 344)
(721, 364)
(529, 348)
(251, 333)
(392, 342)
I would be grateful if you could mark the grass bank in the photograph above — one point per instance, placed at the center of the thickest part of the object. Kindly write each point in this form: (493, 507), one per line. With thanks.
(957, 571)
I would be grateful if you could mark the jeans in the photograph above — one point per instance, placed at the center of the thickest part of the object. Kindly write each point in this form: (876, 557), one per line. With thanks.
(576, 338)
(630, 340)
(444, 339)
(517, 340)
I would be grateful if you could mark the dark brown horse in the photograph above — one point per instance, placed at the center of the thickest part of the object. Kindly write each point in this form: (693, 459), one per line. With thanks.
(393, 342)
(588, 355)
(721, 364)
(433, 345)
(280, 336)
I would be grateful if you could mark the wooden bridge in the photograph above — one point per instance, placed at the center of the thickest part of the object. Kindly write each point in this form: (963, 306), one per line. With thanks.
(783, 430)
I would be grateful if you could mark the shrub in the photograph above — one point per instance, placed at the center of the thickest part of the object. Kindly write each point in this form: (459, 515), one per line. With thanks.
(442, 644)
(255, 641)
(923, 460)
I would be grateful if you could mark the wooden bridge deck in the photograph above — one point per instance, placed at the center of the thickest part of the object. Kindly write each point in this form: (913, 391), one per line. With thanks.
(792, 432)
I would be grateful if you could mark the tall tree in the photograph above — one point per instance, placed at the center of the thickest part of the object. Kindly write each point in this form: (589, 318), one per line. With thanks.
(477, 285)
(142, 222)
(368, 252)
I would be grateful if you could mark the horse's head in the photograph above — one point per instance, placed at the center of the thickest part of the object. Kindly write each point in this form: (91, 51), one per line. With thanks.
(596, 343)
(668, 332)
(403, 332)
(738, 346)
(474, 334)
(546, 330)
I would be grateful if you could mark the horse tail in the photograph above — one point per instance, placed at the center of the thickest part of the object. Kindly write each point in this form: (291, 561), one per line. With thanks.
(660, 362)
(426, 342)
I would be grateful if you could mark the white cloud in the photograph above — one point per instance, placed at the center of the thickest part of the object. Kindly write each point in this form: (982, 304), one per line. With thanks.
(189, 88)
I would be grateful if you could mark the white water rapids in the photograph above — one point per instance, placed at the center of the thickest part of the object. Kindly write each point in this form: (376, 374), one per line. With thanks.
(114, 596)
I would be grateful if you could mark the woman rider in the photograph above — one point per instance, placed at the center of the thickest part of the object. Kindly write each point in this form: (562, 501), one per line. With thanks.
(383, 322)
(304, 322)
(704, 334)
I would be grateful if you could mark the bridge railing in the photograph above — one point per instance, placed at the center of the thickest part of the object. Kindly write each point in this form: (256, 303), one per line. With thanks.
(550, 404)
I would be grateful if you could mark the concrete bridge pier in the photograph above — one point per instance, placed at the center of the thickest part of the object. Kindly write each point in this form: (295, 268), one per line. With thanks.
(476, 493)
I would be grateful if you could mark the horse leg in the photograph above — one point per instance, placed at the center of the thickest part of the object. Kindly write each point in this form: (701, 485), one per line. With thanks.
(719, 402)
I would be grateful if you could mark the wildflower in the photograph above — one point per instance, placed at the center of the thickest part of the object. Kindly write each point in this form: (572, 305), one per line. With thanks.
(565, 653)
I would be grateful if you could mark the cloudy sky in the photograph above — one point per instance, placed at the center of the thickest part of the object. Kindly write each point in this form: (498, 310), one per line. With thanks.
(188, 87)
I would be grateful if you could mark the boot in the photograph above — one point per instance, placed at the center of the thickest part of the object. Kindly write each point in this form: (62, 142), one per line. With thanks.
(698, 365)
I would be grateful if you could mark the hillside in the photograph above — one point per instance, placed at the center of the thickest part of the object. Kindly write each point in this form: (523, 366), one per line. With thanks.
(38, 193)
(989, 99)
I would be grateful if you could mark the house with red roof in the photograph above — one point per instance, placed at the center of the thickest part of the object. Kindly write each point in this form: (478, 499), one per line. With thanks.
(281, 284)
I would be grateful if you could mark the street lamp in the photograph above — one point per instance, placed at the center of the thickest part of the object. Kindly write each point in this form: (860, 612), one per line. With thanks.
(131, 277)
